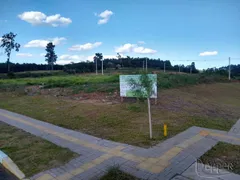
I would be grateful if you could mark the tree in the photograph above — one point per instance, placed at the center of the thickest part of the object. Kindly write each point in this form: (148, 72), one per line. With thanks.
(193, 68)
(144, 88)
(97, 58)
(119, 57)
(51, 57)
(8, 42)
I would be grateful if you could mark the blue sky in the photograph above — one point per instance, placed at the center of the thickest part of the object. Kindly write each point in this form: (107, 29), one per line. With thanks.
(207, 31)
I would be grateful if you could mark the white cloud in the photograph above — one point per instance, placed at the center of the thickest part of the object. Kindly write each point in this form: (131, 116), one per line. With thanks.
(141, 42)
(39, 18)
(41, 43)
(67, 59)
(142, 50)
(127, 48)
(24, 55)
(208, 53)
(90, 58)
(104, 16)
(85, 47)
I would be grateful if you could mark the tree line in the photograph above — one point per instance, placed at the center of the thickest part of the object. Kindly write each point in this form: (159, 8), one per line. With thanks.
(8, 44)
(235, 70)
(27, 67)
(84, 67)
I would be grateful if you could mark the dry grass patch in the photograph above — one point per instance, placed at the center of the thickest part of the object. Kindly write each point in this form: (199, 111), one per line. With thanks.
(225, 156)
(31, 154)
(214, 106)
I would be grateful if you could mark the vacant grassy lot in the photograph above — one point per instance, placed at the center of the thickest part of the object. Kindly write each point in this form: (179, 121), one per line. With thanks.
(224, 155)
(214, 106)
(32, 74)
(30, 153)
(86, 82)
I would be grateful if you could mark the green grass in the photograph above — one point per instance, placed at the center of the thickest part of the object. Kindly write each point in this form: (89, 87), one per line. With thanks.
(215, 106)
(167, 81)
(223, 155)
(115, 174)
(61, 81)
(31, 154)
(32, 74)
(107, 83)
(96, 87)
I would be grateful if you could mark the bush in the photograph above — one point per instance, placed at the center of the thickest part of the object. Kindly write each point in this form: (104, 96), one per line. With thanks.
(11, 75)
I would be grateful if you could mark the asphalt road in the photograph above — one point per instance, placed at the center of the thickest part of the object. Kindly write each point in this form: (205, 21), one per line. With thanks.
(5, 175)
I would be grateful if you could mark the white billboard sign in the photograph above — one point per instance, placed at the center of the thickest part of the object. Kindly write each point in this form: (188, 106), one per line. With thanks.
(127, 90)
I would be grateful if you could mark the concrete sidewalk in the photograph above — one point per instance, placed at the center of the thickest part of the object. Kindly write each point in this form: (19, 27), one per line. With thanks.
(169, 159)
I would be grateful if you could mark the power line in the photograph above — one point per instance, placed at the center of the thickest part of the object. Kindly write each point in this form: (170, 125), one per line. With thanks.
(201, 60)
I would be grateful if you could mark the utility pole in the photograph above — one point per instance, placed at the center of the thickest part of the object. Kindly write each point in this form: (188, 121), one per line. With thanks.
(229, 68)
(143, 64)
(164, 66)
(146, 65)
(96, 66)
(179, 68)
(102, 66)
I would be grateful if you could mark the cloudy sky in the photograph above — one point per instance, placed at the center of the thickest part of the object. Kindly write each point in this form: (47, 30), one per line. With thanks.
(204, 31)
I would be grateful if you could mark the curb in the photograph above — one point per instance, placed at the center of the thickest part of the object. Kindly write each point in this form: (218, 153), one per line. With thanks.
(10, 165)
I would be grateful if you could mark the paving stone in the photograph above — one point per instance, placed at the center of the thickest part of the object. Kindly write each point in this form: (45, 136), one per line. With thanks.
(179, 177)
(236, 128)
(98, 175)
(215, 131)
(197, 174)
(167, 176)
(141, 174)
(235, 142)
(91, 148)
(107, 164)
(37, 175)
(128, 149)
(180, 157)
(106, 143)
(183, 166)
(89, 174)
(129, 170)
(140, 152)
(69, 167)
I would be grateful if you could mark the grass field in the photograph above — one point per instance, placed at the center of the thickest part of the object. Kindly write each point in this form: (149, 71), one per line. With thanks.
(214, 106)
(31, 154)
(95, 83)
(225, 156)
(32, 74)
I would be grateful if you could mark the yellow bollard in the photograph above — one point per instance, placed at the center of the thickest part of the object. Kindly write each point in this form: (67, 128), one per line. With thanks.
(165, 130)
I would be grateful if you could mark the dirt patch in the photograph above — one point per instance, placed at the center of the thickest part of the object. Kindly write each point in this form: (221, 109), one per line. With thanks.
(67, 93)
(40, 90)
(203, 100)
(96, 97)
(215, 106)
(194, 101)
